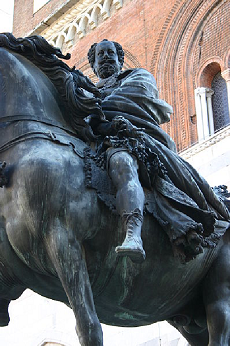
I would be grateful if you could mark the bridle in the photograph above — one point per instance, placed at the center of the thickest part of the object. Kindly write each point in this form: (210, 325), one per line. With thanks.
(62, 139)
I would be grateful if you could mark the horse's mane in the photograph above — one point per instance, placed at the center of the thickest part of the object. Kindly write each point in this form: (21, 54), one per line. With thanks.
(47, 58)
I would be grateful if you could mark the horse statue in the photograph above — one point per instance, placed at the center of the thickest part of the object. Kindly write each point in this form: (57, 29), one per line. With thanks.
(58, 238)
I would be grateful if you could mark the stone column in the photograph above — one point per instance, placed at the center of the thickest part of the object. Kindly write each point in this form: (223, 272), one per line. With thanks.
(209, 93)
(199, 115)
(204, 113)
(226, 75)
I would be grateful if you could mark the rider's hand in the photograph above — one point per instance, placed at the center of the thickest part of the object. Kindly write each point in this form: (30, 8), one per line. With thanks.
(125, 128)
(120, 123)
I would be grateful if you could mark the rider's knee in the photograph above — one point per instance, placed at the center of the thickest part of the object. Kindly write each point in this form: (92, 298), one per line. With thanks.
(123, 164)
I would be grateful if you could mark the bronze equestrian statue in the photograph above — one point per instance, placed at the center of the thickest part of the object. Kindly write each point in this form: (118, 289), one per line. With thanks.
(82, 168)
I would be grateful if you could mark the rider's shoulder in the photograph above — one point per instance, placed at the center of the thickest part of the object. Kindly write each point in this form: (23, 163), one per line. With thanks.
(138, 71)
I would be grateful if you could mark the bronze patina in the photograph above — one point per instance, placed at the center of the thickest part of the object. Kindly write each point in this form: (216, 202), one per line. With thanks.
(162, 254)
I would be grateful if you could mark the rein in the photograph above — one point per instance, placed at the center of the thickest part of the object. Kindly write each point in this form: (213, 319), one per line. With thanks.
(14, 118)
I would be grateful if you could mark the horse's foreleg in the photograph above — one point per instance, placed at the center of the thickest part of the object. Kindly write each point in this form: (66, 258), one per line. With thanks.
(66, 255)
(4, 315)
(217, 299)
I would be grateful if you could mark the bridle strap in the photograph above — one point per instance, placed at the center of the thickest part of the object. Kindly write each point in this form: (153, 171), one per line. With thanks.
(55, 138)
(29, 135)
(13, 118)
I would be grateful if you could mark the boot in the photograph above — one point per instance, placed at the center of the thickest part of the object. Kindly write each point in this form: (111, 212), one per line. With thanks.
(132, 245)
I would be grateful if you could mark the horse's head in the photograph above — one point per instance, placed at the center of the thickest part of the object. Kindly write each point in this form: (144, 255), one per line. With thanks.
(35, 83)
(26, 91)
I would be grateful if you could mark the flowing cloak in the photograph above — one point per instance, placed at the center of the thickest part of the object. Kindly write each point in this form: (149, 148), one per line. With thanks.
(182, 201)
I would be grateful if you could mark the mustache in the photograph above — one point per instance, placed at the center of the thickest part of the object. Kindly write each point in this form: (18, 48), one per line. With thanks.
(108, 61)
(107, 67)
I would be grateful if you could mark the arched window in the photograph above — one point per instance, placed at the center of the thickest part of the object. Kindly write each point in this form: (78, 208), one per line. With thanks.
(211, 101)
(220, 102)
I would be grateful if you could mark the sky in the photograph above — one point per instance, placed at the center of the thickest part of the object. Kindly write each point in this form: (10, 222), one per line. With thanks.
(6, 15)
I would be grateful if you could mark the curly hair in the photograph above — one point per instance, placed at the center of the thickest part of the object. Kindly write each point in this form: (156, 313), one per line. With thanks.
(119, 49)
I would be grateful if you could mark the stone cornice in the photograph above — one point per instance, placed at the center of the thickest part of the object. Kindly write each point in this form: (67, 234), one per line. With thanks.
(195, 149)
(76, 21)
(53, 17)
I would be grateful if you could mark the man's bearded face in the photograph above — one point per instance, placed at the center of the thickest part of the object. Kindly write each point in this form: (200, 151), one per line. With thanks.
(106, 60)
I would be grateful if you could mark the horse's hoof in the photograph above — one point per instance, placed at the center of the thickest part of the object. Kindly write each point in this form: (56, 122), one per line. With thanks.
(4, 319)
(136, 255)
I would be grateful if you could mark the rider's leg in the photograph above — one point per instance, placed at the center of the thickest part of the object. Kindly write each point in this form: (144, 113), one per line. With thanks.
(216, 299)
(123, 170)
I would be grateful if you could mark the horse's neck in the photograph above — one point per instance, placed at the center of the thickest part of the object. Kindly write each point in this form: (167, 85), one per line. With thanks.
(26, 91)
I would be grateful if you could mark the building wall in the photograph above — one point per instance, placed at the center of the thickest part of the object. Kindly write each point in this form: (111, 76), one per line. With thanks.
(25, 20)
(212, 158)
